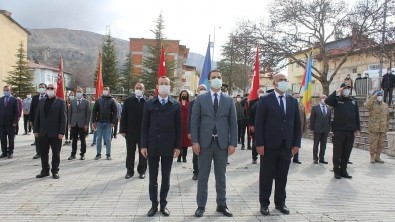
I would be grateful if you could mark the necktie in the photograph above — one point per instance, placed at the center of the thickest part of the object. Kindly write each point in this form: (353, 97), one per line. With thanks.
(41, 97)
(163, 101)
(5, 101)
(78, 103)
(282, 104)
(324, 110)
(215, 111)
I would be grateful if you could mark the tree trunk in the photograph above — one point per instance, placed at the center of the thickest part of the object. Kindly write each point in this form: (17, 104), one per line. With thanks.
(325, 87)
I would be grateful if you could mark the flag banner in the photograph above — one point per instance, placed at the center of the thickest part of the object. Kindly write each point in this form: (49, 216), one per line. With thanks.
(99, 80)
(255, 81)
(206, 68)
(162, 66)
(60, 84)
(307, 84)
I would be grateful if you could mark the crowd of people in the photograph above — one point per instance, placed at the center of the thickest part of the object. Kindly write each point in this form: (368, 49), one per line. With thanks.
(161, 128)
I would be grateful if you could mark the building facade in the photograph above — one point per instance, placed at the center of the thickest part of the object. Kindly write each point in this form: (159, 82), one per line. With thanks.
(12, 34)
(139, 48)
(46, 74)
(190, 80)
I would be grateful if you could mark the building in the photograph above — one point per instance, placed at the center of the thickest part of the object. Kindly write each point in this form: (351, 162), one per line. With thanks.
(12, 34)
(359, 61)
(46, 74)
(174, 52)
(190, 80)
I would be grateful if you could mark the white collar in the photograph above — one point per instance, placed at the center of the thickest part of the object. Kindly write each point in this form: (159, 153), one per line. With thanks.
(218, 93)
(278, 94)
(165, 98)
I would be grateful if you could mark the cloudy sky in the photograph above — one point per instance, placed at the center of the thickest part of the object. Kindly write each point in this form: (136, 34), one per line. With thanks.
(189, 21)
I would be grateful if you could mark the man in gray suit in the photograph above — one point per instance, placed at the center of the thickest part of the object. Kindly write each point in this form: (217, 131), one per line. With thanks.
(214, 137)
(78, 116)
(320, 120)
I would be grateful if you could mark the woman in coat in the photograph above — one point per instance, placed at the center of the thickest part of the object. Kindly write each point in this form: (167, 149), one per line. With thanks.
(186, 142)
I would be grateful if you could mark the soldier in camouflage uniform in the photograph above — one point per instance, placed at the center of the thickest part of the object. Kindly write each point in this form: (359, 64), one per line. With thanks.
(378, 125)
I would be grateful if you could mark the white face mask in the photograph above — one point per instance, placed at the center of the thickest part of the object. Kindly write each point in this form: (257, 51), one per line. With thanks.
(216, 83)
(105, 92)
(139, 93)
(379, 98)
(164, 90)
(346, 92)
(71, 97)
(29, 96)
(225, 93)
(50, 93)
(261, 94)
(79, 95)
(238, 99)
(202, 92)
(41, 90)
(282, 86)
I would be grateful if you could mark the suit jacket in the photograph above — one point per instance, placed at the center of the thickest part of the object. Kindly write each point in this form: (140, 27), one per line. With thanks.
(33, 107)
(79, 115)
(204, 119)
(272, 126)
(132, 117)
(54, 123)
(9, 114)
(189, 115)
(320, 123)
(161, 128)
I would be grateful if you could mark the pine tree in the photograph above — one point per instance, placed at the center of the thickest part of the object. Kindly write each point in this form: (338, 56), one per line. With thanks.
(20, 79)
(110, 71)
(149, 73)
(128, 79)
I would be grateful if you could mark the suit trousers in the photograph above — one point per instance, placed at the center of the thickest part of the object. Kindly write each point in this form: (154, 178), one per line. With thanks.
(76, 131)
(195, 164)
(7, 137)
(319, 139)
(26, 124)
(131, 144)
(241, 130)
(206, 156)
(343, 142)
(388, 93)
(44, 144)
(254, 153)
(274, 165)
(166, 163)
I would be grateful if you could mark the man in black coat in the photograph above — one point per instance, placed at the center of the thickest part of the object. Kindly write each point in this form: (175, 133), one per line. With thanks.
(251, 121)
(9, 110)
(202, 89)
(387, 84)
(277, 137)
(131, 121)
(42, 88)
(320, 119)
(49, 129)
(160, 142)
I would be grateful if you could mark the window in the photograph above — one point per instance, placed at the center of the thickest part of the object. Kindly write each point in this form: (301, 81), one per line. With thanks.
(373, 66)
(48, 78)
(354, 70)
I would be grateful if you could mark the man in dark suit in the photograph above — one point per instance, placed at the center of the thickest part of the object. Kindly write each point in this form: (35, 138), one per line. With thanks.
(320, 119)
(49, 128)
(130, 128)
(251, 121)
(9, 110)
(42, 89)
(160, 142)
(202, 89)
(78, 116)
(277, 137)
(214, 138)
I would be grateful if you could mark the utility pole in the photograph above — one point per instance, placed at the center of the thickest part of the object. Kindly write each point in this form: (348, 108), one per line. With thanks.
(212, 58)
(383, 40)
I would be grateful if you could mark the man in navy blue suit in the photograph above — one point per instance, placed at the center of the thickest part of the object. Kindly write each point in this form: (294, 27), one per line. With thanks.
(9, 110)
(277, 138)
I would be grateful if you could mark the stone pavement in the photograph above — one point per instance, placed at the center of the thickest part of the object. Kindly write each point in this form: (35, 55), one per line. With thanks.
(92, 190)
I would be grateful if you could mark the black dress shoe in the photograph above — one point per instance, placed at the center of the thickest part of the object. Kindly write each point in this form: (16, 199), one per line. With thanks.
(165, 212)
(297, 161)
(42, 174)
(36, 156)
(128, 175)
(152, 211)
(349, 162)
(345, 175)
(265, 211)
(142, 176)
(315, 161)
(10, 156)
(82, 157)
(3, 155)
(323, 161)
(72, 157)
(195, 177)
(337, 176)
(225, 211)
(55, 175)
(283, 209)
(33, 144)
(200, 211)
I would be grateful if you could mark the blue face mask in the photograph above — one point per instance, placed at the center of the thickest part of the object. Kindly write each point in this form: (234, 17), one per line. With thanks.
(6, 93)
(216, 83)
(282, 86)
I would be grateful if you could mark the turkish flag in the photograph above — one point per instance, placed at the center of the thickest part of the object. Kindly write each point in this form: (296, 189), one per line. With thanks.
(255, 80)
(162, 66)
(99, 80)
(60, 84)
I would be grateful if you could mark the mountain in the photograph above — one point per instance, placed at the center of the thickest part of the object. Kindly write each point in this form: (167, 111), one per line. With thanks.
(79, 50)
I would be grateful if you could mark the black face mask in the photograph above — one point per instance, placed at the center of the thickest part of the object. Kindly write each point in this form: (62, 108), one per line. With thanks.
(184, 97)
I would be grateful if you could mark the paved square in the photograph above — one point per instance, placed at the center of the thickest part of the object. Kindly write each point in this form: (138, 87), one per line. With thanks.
(93, 190)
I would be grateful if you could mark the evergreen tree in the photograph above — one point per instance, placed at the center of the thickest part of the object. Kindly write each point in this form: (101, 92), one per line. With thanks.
(110, 71)
(149, 72)
(20, 79)
(128, 79)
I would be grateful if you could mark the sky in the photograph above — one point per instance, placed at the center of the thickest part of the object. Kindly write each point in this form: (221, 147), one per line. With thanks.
(191, 22)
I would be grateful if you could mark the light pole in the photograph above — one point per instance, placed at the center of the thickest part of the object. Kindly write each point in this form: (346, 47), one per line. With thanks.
(212, 58)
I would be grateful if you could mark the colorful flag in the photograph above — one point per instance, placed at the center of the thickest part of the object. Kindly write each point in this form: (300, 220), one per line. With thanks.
(255, 81)
(206, 68)
(60, 84)
(162, 66)
(307, 84)
(99, 79)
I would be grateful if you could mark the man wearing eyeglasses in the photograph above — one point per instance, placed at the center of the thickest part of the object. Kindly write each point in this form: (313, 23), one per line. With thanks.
(49, 129)
(277, 137)
(42, 89)
(9, 110)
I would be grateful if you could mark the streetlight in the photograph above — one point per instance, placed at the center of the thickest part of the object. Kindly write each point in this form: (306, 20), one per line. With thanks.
(212, 58)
